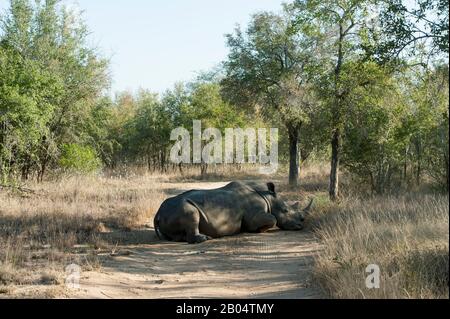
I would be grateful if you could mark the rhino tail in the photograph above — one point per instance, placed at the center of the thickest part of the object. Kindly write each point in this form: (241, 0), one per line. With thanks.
(158, 232)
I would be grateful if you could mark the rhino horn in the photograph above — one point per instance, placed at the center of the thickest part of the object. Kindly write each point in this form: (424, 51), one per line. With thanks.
(307, 210)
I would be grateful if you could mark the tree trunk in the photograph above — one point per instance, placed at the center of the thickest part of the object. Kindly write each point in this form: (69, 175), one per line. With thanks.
(447, 176)
(336, 139)
(203, 169)
(42, 170)
(405, 168)
(445, 142)
(26, 169)
(418, 145)
(293, 156)
(149, 162)
(161, 161)
(335, 161)
(25, 173)
(446, 170)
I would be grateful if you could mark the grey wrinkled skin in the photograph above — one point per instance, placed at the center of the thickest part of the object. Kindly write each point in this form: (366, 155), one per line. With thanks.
(240, 207)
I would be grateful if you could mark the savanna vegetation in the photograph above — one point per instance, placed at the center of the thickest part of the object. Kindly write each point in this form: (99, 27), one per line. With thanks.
(357, 86)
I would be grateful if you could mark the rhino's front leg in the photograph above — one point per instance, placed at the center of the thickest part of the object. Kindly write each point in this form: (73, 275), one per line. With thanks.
(259, 223)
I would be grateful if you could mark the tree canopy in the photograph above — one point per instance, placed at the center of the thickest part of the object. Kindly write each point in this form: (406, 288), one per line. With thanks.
(362, 84)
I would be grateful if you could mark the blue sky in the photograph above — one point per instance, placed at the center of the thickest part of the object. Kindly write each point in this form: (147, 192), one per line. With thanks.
(155, 43)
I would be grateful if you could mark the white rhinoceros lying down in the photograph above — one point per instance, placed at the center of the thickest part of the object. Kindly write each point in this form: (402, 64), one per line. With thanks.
(252, 207)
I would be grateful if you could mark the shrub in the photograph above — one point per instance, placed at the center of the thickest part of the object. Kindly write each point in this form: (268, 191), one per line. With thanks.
(77, 158)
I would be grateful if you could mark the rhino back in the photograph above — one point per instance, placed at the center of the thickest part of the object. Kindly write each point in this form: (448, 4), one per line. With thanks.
(223, 218)
(225, 209)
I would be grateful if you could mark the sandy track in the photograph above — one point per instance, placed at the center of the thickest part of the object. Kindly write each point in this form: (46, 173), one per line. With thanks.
(276, 264)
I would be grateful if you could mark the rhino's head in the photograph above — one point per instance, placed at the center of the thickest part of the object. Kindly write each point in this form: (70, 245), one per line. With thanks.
(290, 216)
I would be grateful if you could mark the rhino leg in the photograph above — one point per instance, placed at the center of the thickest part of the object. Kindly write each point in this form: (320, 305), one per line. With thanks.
(191, 219)
(259, 223)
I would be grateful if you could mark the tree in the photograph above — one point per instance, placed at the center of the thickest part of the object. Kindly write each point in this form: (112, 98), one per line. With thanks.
(272, 66)
(374, 134)
(149, 131)
(56, 39)
(142, 124)
(398, 130)
(25, 111)
(99, 130)
(430, 125)
(206, 104)
(342, 23)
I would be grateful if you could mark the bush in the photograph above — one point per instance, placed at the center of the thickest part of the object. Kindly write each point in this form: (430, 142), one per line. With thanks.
(77, 158)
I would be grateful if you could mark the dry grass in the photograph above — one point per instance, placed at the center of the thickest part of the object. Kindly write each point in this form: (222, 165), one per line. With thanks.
(67, 219)
(42, 233)
(189, 173)
(406, 236)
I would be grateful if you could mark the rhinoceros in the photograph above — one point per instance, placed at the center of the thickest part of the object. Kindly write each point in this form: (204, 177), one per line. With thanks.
(240, 207)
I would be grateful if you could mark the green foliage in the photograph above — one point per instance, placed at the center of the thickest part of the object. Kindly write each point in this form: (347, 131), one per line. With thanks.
(270, 65)
(143, 123)
(430, 124)
(77, 158)
(51, 83)
(25, 110)
(148, 132)
(98, 130)
(398, 129)
(408, 26)
(318, 68)
(207, 104)
(382, 131)
(273, 67)
(373, 137)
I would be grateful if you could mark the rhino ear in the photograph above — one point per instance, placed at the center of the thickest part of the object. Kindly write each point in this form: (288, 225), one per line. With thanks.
(271, 187)
(296, 206)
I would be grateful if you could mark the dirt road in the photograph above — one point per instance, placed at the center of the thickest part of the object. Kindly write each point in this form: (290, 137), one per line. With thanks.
(276, 264)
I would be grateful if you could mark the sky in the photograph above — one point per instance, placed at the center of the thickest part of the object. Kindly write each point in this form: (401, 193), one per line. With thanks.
(153, 44)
